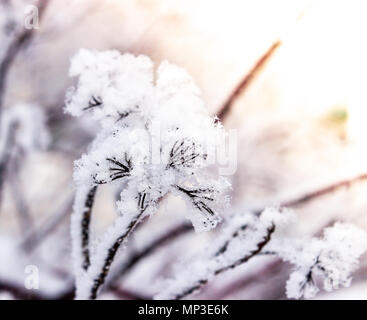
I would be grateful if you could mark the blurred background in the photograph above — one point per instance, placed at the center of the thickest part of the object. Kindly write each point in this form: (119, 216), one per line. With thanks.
(289, 76)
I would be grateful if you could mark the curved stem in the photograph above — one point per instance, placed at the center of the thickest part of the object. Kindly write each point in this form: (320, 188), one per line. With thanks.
(111, 253)
(247, 80)
(85, 223)
(80, 222)
(235, 264)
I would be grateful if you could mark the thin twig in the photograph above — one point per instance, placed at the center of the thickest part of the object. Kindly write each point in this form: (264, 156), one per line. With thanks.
(19, 292)
(149, 249)
(247, 80)
(253, 73)
(264, 272)
(6, 156)
(220, 270)
(35, 237)
(323, 191)
(99, 281)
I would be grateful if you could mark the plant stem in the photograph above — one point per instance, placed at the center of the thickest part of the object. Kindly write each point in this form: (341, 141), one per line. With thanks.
(244, 259)
(85, 223)
(111, 253)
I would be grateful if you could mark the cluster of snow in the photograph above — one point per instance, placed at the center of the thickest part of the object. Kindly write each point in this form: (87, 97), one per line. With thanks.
(156, 137)
(120, 91)
(333, 257)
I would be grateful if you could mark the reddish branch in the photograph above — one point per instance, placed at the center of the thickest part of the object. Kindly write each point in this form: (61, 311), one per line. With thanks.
(246, 81)
(323, 191)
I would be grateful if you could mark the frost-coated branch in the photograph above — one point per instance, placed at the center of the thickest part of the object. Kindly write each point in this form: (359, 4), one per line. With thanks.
(244, 237)
(234, 264)
(111, 253)
(333, 257)
(105, 252)
(80, 222)
(247, 80)
(85, 225)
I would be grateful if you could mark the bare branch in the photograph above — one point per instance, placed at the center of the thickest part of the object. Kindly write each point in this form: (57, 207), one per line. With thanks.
(149, 249)
(324, 191)
(247, 80)
(85, 225)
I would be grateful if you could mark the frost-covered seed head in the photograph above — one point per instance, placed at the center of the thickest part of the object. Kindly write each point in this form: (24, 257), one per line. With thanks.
(142, 120)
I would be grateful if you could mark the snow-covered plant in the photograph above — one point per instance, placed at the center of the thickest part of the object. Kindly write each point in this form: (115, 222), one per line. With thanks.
(243, 237)
(332, 258)
(156, 137)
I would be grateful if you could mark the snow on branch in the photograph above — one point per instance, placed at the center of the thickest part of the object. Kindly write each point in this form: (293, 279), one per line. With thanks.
(156, 137)
(333, 257)
(243, 238)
